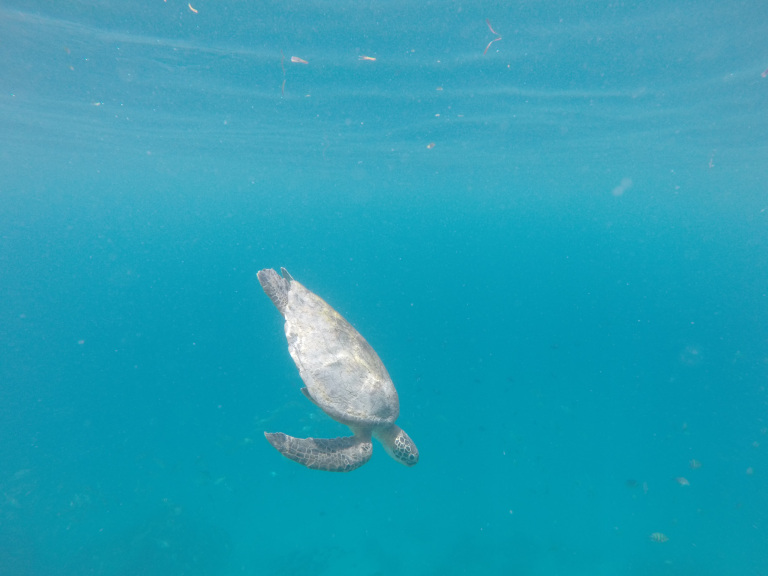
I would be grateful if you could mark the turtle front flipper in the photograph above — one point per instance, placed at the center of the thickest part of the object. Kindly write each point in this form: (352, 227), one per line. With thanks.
(330, 454)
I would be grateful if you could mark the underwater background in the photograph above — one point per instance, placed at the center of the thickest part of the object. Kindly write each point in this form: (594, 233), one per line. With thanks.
(557, 243)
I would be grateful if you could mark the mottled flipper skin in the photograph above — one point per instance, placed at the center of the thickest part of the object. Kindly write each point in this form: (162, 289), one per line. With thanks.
(276, 287)
(329, 454)
(344, 377)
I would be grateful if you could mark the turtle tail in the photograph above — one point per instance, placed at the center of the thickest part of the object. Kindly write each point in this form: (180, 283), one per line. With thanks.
(276, 287)
(330, 454)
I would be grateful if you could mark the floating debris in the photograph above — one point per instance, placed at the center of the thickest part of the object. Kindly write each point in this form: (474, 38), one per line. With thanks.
(682, 481)
(493, 32)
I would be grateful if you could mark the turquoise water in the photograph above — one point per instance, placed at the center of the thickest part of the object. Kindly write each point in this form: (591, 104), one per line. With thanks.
(559, 248)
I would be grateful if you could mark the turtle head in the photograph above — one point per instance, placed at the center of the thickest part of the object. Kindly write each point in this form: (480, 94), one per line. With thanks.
(398, 444)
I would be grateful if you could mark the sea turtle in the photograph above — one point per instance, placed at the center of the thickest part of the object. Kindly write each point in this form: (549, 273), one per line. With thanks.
(344, 377)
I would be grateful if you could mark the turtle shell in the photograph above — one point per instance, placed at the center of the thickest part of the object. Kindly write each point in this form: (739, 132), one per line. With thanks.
(343, 374)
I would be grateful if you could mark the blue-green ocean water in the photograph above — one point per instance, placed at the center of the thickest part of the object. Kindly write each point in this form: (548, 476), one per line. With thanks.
(559, 248)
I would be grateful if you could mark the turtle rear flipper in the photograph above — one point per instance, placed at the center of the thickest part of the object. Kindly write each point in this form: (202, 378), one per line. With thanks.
(331, 454)
(276, 287)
